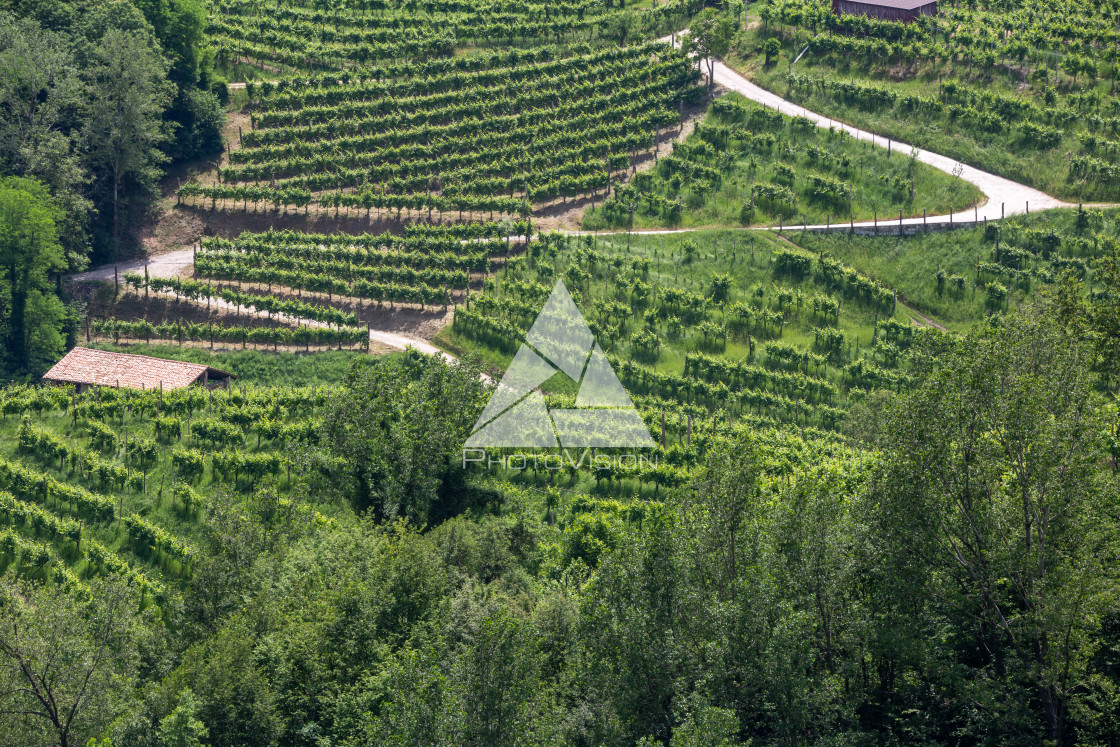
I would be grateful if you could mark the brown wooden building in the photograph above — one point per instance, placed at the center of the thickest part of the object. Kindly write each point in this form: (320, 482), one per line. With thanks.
(888, 10)
(86, 367)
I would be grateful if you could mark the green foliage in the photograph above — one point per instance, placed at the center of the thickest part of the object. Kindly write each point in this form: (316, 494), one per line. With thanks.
(34, 318)
(771, 48)
(992, 481)
(91, 97)
(67, 663)
(709, 37)
(400, 427)
(181, 727)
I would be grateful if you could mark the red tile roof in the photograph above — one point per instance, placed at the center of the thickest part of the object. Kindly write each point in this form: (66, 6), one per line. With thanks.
(104, 368)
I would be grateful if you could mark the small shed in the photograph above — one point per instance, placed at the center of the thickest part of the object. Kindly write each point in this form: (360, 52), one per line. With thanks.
(888, 10)
(86, 367)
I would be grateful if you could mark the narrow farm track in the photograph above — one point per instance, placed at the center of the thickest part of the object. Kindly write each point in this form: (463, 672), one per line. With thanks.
(169, 265)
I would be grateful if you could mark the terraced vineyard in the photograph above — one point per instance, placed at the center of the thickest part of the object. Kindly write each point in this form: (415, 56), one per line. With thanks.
(498, 134)
(959, 276)
(322, 284)
(746, 164)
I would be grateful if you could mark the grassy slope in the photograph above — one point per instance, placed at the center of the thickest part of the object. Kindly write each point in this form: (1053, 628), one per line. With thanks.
(935, 192)
(909, 264)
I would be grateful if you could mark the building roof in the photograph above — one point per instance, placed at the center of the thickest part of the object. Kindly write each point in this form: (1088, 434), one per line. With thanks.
(105, 368)
(896, 4)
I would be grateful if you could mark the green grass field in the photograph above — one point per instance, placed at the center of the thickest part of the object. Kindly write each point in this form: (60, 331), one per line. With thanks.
(910, 264)
(710, 180)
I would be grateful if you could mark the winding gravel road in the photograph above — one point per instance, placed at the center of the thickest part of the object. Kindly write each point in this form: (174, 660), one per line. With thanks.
(1004, 197)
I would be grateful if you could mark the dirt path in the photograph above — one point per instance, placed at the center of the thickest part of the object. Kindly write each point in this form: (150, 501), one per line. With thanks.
(919, 318)
(175, 264)
(169, 265)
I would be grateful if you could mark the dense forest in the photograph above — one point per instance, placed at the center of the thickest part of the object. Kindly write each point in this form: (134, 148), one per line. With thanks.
(97, 100)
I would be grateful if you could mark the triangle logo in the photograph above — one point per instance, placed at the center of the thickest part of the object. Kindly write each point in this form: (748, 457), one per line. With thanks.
(560, 341)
